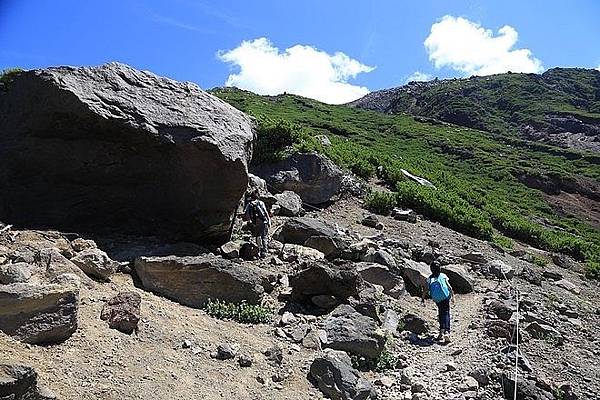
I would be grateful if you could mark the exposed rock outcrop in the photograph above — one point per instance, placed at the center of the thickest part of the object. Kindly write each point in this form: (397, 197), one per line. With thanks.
(113, 148)
(38, 314)
(322, 278)
(19, 382)
(312, 176)
(193, 280)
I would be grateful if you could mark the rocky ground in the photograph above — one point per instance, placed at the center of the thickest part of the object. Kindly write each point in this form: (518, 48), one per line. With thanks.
(169, 356)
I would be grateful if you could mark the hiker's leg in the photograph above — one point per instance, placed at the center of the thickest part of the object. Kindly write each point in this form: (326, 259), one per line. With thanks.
(440, 316)
(446, 315)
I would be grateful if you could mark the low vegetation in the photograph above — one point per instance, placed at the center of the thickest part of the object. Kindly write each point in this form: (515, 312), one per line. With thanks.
(241, 312)
(478, 192)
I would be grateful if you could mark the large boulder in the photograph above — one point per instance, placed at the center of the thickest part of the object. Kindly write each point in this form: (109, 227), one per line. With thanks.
(460, 280)
(290, 204)
(19, 382)
(112, 148)
(333, 373)
(415, 276)
(381, 275)
(312, 176)
(312, 233)
(325, 279)
(348, 330)
(38, 314)
(194, 280)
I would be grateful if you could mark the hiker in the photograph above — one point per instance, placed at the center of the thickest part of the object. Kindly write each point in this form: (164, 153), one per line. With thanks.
(441, 293)
(256, 212)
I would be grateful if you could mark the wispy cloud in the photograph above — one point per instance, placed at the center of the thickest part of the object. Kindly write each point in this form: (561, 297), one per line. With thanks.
(162, 19)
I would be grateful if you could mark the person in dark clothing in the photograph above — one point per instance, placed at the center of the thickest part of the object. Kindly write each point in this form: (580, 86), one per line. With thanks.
(441, 293)
(256, 211)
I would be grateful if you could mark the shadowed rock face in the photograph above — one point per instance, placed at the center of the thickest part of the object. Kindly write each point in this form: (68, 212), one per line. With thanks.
(107, 148)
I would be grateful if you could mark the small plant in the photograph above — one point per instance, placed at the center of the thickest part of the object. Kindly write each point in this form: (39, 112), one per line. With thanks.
(503, 241)
(539, 261)
(381, 202)
(241, 312)
(8, 75)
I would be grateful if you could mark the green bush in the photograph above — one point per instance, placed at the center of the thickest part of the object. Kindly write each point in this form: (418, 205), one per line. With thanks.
(276, 139)
(242, 312)
(8, 75)
(386, 361)
(503, 241)
(447, 208)
(381, 202)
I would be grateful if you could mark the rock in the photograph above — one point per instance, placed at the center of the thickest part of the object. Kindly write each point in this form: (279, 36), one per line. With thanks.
(19, 382)
(299, 230)
(500, 309)
(415, 324)
(390, 321)
(245, 360)
(38, 314)
(95, 263)
(350, 331)
(312, 341)
(225, 351)
(81, 244)
(290, 204)
(116, 149)
(404, 215)
(567, 285)
(122, 312)
(415, 276)
(299, 333)
(500, 329)
(531, 275)
(380, 257)
(186, 344)
(552, 275)
(460, 280)
(231, 249)
(468, 384)
(259, 185)
(481, 376)
(324, 140)
(370, 220)
(500, 269)
(287, 318)
(475, 257)
(450, 366)
(249, 251)
(297, 253)
(325, 301)
(312, 176)
(526, 389)
(333, 373)
(195, 279)
(562, 261)
(274, 354)
(385, 381)
(15, 273)
(545, 332)
(323, 278)
(331, 247)
(381, 275)
(55, 264)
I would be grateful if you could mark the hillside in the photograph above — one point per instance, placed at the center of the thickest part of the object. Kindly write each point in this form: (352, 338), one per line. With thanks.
(560, 106)
(489, 185)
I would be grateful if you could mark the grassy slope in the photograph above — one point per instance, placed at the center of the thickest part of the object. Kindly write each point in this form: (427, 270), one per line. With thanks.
(502, 103)
(482, 187)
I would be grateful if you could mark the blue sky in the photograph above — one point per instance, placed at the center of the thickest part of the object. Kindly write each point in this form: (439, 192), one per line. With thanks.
(332, 50)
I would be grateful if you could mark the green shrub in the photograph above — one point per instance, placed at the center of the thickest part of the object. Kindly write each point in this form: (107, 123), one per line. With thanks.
(503, 241)
(539, 261)
(447, 208)
(276, 139)
(242, 312)
(8, 75)
(381, 202)
(386, 361)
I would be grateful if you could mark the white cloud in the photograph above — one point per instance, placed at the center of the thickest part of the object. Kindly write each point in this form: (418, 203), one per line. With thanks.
(598, 67)
(418, 76)
(469, 48)
(301, 70)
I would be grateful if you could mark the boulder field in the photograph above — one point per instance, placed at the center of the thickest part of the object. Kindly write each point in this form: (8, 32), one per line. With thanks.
(112, 148)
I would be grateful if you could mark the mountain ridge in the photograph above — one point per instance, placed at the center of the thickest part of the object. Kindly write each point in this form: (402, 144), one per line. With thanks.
(559, 107)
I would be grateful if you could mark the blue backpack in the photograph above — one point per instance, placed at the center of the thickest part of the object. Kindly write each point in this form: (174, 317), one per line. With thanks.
(438, 288)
